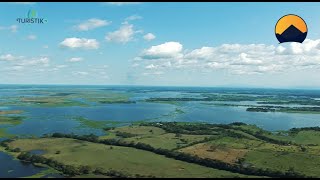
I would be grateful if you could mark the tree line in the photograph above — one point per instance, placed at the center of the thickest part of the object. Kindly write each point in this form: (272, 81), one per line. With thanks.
(216, 164)
(215, 129)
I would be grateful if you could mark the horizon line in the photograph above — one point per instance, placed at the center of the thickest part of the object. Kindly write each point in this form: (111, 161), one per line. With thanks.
(182, 86)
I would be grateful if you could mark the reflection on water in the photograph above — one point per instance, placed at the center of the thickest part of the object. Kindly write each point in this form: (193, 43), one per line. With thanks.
(61, 119)
(10, 168)
(197, 112)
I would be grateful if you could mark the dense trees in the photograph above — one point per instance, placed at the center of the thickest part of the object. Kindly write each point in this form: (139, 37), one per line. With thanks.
(215, 129)
(124, 134)
(296, 130)
(260, 109)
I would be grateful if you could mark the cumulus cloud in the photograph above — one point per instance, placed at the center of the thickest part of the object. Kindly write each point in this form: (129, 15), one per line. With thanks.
(9, 57)
(25, 61)
(92, 24)
(16, 68)
(163, 51)
(151, 66)
(80, 43)
(81, 73)
(32, 37)
(61, 66)
(153, 73)
(247, 59)
(135, 65)
(149, 37)
(12, 28)
(123, 35)
(75, 59)
(42, 61)
(133, 17)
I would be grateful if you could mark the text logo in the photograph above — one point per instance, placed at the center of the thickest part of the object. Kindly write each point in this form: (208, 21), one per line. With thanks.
(32, 18)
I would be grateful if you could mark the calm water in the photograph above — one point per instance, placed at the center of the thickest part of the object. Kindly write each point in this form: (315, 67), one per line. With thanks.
(10, 168)
(197, 112)
(61, 119)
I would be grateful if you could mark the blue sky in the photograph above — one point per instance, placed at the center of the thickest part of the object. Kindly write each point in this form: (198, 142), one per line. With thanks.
(166, 44)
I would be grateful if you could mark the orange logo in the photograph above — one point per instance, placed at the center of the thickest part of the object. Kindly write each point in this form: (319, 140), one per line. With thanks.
(291, 28)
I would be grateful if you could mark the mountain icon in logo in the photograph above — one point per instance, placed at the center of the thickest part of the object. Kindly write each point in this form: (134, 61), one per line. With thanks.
(291, 28)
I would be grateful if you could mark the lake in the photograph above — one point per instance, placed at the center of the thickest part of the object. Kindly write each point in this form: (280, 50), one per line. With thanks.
(39, 120)
(10, 168)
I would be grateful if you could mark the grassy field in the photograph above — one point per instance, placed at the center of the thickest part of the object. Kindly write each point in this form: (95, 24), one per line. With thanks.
(225, 154)
(5, 134)
(61, 99)
(51, 101)
(157, 137)
(44, 173)
(10, 112)
(234, 144)
(301, 162)
(10, 120)
(75, 152)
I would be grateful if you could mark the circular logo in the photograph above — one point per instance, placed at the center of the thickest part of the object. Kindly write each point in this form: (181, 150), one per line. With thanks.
(291, 28)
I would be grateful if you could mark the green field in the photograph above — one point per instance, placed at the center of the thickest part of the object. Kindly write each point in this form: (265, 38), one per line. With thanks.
(305, 163)
(10, 120)
(76, 98)
(157, 137)
(294, 152)
(124, 159)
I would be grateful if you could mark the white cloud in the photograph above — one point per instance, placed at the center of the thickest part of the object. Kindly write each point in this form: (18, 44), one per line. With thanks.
(133, 17)
(75, 59)
(14, 68)
(45, 46)
(12, 28)
(80, 43)
(42, 61)
(122, 3)
(92, 24)
(61, 66)
(9, 57)
(151, 66)
(165, 50)
(135, 65)
(82, 73)
(250, 59)
(32, 37)
(123, 35)
(153, 73)
(149, 37)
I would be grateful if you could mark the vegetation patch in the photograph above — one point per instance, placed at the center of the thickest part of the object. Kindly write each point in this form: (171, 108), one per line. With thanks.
(113, 159)
(222, 153)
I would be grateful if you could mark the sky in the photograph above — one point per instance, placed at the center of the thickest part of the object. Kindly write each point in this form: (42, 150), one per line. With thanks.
(158, 44)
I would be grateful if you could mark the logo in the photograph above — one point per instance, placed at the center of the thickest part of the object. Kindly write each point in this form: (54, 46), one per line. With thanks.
(32, 18)
(291, 28)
